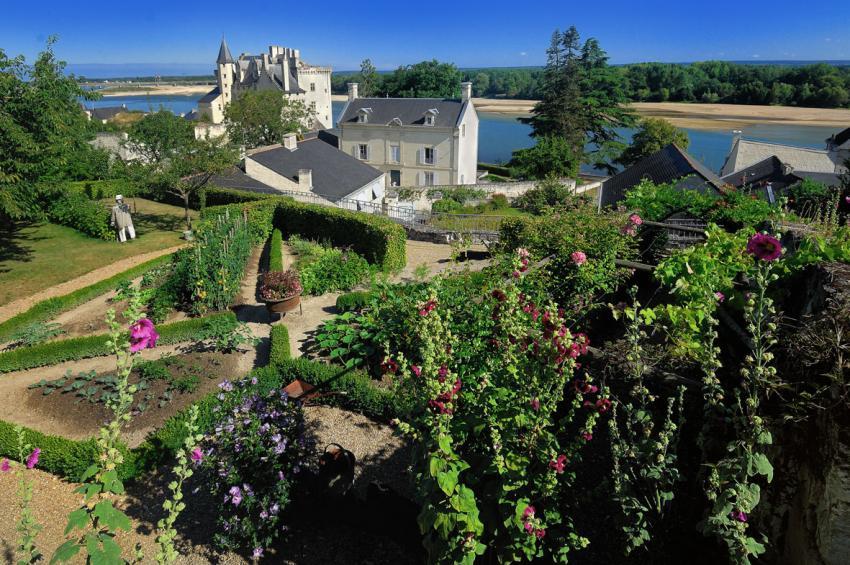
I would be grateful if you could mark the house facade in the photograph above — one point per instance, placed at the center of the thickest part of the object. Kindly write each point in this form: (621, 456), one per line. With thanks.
(315, 168)
(414, 141)
(282, 70)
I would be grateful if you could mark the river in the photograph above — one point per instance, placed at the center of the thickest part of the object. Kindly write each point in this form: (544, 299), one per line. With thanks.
(498, 134)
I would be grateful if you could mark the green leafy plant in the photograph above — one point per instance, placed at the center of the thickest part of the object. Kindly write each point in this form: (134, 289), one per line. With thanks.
(227, 334)
(333, 270)
(77, 211)
(353, 301)
(35, 333)
(27, 527)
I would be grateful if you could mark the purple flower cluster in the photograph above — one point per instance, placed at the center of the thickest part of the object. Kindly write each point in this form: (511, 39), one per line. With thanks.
(254, 450)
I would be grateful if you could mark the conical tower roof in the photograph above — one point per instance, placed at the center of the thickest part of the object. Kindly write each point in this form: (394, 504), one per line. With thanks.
(224, 54)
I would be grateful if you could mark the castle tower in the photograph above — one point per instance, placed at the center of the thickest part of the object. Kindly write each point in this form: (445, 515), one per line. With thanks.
(226, 68)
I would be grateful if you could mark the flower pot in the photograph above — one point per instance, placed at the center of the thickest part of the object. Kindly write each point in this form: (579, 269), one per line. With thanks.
(283, 305)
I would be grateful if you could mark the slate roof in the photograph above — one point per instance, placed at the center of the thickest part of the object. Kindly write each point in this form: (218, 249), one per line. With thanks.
(840, 138)
(106, 112)
(258, 75)
(330, 136)
(224, 54)
(335, 174)
(745, 153)
(210, 96)
(411, 111)
(777, 173)
(666, 165)
(237, 179)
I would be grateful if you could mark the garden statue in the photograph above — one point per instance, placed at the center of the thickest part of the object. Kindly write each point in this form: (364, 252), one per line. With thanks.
(122, 220)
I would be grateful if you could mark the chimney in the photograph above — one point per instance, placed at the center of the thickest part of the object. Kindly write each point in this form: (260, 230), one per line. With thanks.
(352, 91)
(466, 90)
(305, 180)
(290, 141)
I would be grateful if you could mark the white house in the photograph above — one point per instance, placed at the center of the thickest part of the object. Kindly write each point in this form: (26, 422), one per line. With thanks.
(746, 153)
(415, 141)
(281, 69)
(315, 167)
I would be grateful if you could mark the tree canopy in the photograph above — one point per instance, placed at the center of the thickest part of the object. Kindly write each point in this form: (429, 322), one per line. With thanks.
(428, 79)
(44, 132)
(552, 155)
(369, 79)
(652, 135)
(264, 117)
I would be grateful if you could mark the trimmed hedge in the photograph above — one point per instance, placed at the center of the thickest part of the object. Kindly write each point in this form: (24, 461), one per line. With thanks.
(72, 349)
(279, 351)
(353, 301)
(380, 240)
(75, 210)
(346, 388)
(98, 189)
(52, 307)
(276, 251)
(60, 456)
(495, 169)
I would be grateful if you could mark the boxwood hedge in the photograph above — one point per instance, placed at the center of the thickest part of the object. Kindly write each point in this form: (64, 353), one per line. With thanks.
(279, 351)
(276, 251)
(76, 348)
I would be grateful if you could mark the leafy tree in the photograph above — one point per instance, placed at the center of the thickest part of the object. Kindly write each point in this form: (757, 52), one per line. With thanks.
(159, 136)
(551, 156)
(428, 79)
(44, 133)
(549, 193)
(264, 117)
(652, 135)
(582, 99)
(370, 80)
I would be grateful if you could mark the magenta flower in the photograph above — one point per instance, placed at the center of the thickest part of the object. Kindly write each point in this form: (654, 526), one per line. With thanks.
(529, 527)
(719, 296)
(578, 257)
(539, 532)
(197, 455)
(535, 403)
(32, 460)
(738, 515)
(528, 514)
(764, 247)
(587, 436)
(847, 199)
(523, 253)
(5, 466)
(602, 405)
(417, 370)
(558, 465)
(635, 220)
(427, 308)
(142, 335)
(628, 230)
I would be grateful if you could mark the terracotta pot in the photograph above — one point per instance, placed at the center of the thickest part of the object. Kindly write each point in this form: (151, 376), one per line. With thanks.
(284, 305)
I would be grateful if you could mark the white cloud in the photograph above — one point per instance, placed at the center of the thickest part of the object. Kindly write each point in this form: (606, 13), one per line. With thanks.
(522, 53)
(756, 56)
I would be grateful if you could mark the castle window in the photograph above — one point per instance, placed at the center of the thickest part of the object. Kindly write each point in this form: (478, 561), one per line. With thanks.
(363, 151)
(312, 87)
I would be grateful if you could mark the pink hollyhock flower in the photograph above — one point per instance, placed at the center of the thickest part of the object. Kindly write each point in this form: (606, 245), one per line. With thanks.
(197, 455)
(523, 253)
(417, 370)
(587, 436)
(764, 247)
(719, 296)
(389, 366)
(738, 515)
(540, 533)
(528, 513)
(578, 257)
(636, 220)
(535, 404)
(32, 460)
(142, 335)
(5, 466)
(847, 199)
(558, 465)
(515, 274)
(603, 404)
(628, 230)
(529, 527)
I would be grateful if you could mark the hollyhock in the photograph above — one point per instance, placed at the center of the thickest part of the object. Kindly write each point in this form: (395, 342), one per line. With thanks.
(539, 532)
(738, 515)
(528, 513)
(764, 247)
(389, 366)
(427, 308)
(628, 230)
(5, 466)
(587, 436)
(847, 199)
(499, 295)
(578, 257)
(603, 404)
(523, 253)
(719, 296)
(636, 220)
(558, 465)
(417, 370)
(535, 404)
(32, 460)
(197, 455)
(142, 335)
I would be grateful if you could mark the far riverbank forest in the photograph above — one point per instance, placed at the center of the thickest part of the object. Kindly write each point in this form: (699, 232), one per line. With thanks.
(814, 86)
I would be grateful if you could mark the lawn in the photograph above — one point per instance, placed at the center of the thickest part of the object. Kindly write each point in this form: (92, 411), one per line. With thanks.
(475, 218)
(34, 257)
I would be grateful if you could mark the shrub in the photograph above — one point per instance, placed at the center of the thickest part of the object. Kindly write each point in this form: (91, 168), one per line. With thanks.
(549, 193)
(279, 285)
(356, 390)
(279, 350)
(226, 333)
(253, 456)
(276, 251)
(52, 307)
(95, 345)
(37, 332)
(64, 457)
(333, 270)
(499, 202)
(75, 210)
(99, 189)
(446, 206)
(353, 301)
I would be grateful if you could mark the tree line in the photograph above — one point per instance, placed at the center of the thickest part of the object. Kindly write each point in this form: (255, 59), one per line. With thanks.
(817, 86)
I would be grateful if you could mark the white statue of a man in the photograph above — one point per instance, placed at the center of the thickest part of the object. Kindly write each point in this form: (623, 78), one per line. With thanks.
(121, 219)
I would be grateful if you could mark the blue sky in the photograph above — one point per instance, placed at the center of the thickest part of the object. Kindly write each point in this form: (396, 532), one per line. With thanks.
(468, 33)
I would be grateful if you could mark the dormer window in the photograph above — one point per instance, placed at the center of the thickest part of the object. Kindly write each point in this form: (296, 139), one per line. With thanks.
(431, 117)
(395, 122)
(363, 115)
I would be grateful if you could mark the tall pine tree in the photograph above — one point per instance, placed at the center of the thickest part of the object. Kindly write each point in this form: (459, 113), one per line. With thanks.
(583, 99)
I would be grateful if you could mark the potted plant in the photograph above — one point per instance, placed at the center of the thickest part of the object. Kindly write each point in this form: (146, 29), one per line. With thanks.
(281, 291)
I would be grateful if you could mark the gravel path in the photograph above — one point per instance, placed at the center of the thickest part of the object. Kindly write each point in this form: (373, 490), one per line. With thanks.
(24, 304)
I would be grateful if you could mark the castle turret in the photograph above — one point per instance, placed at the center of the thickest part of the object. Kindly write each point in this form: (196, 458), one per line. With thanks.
(225, 72)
